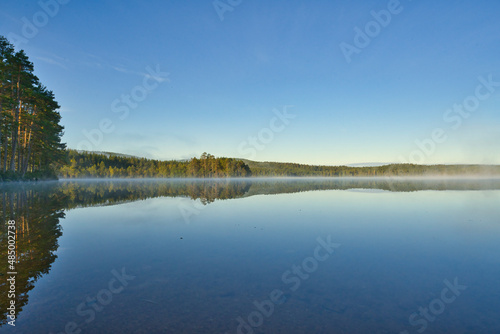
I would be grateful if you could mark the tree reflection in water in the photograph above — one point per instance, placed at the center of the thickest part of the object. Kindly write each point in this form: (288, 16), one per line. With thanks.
(38, 208)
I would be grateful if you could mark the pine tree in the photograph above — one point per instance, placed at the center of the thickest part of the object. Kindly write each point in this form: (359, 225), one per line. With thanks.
(30, 130)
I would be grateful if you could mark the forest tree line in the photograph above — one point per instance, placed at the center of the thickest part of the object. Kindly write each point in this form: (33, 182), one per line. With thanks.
(30, 133)
(268, 169)
(81, 164)
(31, 147)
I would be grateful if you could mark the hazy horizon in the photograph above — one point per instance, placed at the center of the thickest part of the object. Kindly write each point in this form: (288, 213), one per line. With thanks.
(323, 83)
(359, 164)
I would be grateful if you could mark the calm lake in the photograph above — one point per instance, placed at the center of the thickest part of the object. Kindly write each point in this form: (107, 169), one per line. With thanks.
(254, 256)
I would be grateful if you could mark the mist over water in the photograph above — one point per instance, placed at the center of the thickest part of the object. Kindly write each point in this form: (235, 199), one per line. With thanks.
(352, 255)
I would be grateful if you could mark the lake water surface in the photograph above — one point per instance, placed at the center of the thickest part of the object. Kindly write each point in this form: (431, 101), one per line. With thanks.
(254, 256)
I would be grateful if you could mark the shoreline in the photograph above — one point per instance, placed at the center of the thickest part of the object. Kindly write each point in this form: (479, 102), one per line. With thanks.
(256, 178)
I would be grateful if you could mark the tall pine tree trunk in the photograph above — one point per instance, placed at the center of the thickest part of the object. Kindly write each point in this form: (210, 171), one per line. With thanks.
(28, 143)
(16, 122)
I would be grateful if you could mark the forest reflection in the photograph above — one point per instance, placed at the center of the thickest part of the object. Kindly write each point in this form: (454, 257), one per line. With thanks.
(38, 209)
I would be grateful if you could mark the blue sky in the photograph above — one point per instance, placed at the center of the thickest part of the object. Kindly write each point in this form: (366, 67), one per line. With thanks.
(228, 78)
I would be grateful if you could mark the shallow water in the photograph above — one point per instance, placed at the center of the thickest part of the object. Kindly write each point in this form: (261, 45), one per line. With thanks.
(255, 256)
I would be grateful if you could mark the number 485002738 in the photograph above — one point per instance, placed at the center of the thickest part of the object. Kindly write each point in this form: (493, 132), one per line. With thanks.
(11, 255)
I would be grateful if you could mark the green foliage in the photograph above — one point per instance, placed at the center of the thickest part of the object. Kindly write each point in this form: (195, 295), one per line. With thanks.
(108, 165)
(30, 133)
(269, 169)
(93, 165)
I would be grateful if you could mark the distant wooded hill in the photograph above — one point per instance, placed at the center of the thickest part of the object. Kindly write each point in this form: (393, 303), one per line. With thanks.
(105, 164)
(80, 164)
(293, 169)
